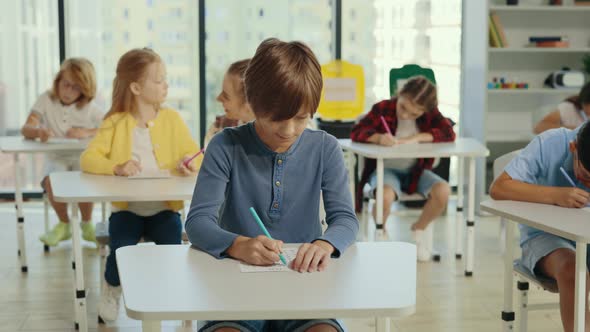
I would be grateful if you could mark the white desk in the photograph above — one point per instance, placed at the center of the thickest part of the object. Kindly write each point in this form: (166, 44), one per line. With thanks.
(16, 145)
(568, 223)
(461, 148)
(182, 283)
(76, 187)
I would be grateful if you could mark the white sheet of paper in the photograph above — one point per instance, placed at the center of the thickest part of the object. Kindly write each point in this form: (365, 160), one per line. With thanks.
(62, 140)
(152, 174)
(288, 253)
(340, 89)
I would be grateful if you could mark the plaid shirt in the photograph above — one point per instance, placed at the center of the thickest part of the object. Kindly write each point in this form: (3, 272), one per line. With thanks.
(432, 122)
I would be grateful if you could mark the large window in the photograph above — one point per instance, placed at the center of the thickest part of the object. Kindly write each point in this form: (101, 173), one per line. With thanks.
(377, 34)
(235, 28)
(103, 30)
(29, 59)
(383, 34)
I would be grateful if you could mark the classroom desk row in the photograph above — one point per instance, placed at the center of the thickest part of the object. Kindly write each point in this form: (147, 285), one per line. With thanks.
(207, 288)
(200, 293)
(363, 262)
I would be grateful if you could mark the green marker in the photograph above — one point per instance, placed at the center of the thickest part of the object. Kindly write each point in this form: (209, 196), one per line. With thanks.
(257, 218)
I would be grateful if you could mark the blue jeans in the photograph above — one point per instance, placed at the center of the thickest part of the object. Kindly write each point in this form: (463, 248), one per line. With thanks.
(298, 325)
(127, 228)
(399, 179)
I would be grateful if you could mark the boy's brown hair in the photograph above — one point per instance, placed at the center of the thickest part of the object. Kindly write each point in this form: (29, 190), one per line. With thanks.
(83, 74)
(421, 92)
(238, 69)
(282, 78)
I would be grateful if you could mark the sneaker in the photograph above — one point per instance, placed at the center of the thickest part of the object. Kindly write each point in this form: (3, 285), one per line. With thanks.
(88, 233)
(60, 232)
(108, 307)
(422, 246)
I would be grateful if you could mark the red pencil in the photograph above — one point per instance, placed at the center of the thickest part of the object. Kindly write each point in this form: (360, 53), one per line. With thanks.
(385, 125)
(186, 162)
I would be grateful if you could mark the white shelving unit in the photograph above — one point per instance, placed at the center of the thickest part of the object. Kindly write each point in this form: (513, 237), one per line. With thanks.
(511, 113)
(538, 8)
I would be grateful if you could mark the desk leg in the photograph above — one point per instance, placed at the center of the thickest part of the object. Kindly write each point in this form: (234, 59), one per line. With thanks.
(459, 216)
(508, 312)
(103, 208)
(382, 324)
(351, 174)
(78, 266)
(379, 199)
(20, 218)
(580, 290)
(151, 326)
(470, 220)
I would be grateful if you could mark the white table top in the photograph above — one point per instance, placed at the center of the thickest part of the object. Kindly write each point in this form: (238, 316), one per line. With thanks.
(461, 147)
(177, 282)
(572, 224)
(17, 144)
(72, 187)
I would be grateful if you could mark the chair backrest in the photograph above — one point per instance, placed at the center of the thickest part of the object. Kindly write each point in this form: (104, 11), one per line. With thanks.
(501, 162)
(399, 76)
(343, 95)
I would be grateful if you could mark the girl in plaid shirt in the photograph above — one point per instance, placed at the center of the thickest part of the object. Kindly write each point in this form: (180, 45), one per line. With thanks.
(412, 117)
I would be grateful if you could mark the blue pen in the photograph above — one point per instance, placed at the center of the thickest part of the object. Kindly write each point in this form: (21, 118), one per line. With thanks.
(257, 218)
(567, 177)
(570, 180)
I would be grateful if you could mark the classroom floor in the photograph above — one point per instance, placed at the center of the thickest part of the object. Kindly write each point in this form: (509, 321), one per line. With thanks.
(446, 300)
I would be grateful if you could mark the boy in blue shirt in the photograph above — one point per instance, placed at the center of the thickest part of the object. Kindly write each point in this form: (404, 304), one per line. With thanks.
(535, 176)
(278, 167)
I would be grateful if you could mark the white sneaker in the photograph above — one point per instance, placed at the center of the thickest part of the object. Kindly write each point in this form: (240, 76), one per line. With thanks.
(108, 308)
(422, 247)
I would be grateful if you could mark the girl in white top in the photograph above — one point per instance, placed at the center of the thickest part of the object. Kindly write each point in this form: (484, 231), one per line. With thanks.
(570, 113)
(66, 111)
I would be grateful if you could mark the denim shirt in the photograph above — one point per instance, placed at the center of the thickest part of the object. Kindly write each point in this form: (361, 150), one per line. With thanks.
(239, 171)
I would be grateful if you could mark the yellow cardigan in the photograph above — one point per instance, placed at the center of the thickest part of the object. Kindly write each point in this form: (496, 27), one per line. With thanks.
(112, 145)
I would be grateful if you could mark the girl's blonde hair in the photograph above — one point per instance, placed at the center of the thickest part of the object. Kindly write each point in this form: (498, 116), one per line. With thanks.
(82, 72)
(420, 91)
(132, 67)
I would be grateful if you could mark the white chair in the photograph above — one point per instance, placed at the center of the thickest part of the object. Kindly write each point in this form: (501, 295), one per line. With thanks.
(524, 277)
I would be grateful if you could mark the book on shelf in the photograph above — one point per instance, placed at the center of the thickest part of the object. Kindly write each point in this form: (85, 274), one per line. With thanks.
(549, 41)
(494, 39)
(555, 44)
(499, 29)
(537, 39)
(582, 2)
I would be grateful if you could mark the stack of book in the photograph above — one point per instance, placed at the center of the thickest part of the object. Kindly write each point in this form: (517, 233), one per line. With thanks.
(497, 36)
(549, 41)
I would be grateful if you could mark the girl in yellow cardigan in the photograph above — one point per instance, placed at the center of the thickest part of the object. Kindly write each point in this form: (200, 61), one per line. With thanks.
(137, 135)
